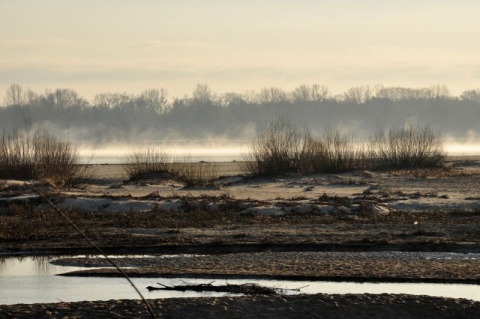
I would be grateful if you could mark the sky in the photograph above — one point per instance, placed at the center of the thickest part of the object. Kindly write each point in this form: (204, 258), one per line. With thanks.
(238, 45)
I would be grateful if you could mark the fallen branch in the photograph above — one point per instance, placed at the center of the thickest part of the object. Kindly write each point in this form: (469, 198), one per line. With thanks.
(247, 289)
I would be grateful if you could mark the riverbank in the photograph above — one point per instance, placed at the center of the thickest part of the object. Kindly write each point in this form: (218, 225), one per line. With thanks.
(275, 227)
(302, 306)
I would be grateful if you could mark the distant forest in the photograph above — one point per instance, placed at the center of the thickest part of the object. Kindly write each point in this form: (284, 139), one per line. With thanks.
(154, 116)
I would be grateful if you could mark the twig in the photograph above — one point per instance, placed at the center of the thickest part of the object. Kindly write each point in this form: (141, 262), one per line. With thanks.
(97, 248)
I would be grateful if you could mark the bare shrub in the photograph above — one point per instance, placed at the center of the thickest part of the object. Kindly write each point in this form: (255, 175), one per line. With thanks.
(194, 174)
(409, 147)
(56, 160)
(276, 149)
(16, 156)
(141, 163)
(333, 152)
(39, 156)
(145, 163)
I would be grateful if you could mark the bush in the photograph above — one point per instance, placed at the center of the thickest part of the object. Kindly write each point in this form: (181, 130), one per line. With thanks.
(141, 163)
(280, 147)
(331, 153)
(276, 149)
(39, 156)
(145, 163)
(408, 147)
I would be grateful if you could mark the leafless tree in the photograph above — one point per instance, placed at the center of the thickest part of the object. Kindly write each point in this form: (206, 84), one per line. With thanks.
(156, 100)
(202, 94)
(358, 94)
(15, 95)
(272, 95)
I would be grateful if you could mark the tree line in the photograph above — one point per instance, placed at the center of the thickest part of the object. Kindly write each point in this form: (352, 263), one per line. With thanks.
(154, 115)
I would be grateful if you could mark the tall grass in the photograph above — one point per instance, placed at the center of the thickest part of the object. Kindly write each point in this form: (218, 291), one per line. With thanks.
(39, 156)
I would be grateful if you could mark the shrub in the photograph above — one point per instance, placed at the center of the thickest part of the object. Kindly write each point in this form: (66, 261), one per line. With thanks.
(408, 147)
(281, 147)
(332, 152)
(276, 149)
(141, 163)
(144, 163)
(39, 156)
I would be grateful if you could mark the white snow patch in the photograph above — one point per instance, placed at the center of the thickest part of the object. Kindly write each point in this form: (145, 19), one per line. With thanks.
(264, 210)
(170, 205)
(106, 204)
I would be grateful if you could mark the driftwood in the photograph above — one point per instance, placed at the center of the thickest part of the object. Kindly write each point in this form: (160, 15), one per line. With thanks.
(248, 289)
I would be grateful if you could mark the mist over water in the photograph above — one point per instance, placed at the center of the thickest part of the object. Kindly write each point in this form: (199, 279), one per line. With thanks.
(190, 152)
(210, 153)
(214, 126)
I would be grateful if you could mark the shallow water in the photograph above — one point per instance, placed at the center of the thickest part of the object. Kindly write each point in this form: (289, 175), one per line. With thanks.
(32, 280)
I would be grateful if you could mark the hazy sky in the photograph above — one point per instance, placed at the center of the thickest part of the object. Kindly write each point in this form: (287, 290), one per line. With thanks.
(236, 45)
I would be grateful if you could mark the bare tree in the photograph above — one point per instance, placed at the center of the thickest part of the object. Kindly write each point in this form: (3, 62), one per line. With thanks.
(358, 94)
(63, 99)
(15, 95)
(272, 95)
(440, 91)
(471, 95)
(319, 93)
(202, 94)
(111, 100)
(156, 100)
(314, 93)
(302, 94)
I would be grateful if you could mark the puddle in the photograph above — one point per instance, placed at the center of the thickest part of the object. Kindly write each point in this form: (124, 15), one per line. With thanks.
(32, 280)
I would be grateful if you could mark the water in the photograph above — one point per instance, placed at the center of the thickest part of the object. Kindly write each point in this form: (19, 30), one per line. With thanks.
(223, 151)
(32, 280)
(193, 153)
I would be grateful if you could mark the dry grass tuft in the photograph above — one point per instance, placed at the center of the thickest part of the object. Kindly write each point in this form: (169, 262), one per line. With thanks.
(194, 174)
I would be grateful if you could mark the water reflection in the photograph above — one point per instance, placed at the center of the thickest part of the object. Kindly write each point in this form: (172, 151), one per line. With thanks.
(32, 280)
(31, 266)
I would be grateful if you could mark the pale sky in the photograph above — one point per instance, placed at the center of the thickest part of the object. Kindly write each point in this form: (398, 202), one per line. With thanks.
(238, 45)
